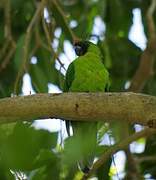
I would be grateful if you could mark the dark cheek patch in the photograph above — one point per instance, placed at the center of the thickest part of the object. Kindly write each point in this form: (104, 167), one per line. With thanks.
(81, 48)
(78, 51)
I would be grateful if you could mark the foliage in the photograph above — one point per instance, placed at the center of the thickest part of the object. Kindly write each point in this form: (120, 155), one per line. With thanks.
(26, 33)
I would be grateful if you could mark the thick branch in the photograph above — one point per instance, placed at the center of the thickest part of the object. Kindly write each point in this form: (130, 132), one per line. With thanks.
(135, 108)
(145, 69)
(143, 73)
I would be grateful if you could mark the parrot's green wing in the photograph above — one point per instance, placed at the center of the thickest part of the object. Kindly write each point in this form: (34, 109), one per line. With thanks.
(67, 84)
(69, 77)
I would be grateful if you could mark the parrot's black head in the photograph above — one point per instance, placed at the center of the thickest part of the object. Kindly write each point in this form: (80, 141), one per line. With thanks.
(81, 47)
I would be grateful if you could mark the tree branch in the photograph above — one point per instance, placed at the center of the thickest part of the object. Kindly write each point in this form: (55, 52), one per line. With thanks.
(145, 69)
(140, 78)
(135, 108)
(27, 41)
(63, 21)
(121, 145)
(145, 158)
(47, 35)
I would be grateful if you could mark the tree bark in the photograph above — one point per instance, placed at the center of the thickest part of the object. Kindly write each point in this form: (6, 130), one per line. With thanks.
(132, 107)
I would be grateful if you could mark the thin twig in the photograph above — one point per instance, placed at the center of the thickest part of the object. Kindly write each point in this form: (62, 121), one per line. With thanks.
(4, 48)
(37, 44)
(27, 41)
(7, 59)
(120, 146)
(7, 28)
(62, 14)
(9, 44)
(49, 43)
(146, 158)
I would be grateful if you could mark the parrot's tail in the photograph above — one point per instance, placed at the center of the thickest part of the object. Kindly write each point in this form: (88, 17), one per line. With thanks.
(86, 135)
(86, 163)
(85, 143)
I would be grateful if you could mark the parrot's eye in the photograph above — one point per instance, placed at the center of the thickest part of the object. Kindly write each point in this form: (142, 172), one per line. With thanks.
(80, 48)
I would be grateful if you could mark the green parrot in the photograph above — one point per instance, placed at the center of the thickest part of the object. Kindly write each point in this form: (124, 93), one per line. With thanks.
(86, 73)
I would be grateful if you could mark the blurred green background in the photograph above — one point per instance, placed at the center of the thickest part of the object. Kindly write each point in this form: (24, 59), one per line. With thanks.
(36, 43)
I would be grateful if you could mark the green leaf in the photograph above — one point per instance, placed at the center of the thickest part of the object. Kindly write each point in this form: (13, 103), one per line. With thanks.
(48, 65)
(5, 131)
(122, 57)
(23, 11)
(44, 72)
(50, 169)
(7, 79)
(71, 149)
(118, 24)
(39, 79)
(24, 145)
(5, 174)
(18, 58)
